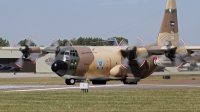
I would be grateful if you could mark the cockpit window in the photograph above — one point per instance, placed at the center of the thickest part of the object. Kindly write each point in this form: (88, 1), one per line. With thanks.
(67, 53)
(62, 53)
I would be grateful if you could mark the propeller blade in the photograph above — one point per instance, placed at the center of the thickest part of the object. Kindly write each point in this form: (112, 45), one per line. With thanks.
(139, 42)
(54, 42)
(67, 44)
(33, 57)
(123, 43)
(142, 54)
(179, 62)
(125, 63)
(141, 60)
(71, 44)
(49, 61)
(19, 62)
(29, 41)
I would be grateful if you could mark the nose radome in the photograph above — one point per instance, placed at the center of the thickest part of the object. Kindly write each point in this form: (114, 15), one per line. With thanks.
(59, 65)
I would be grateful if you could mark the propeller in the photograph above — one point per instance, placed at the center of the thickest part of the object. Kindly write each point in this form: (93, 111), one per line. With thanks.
(137, 52)
(176, 54)
(20, 62)
(49, 60)
(125, 63)
(55, 43)
(27, 53)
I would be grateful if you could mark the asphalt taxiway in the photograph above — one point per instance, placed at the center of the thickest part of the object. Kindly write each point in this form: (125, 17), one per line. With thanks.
(26, 88)
(158, 84)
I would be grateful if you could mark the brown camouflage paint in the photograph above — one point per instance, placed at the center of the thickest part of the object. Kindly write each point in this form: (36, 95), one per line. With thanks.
(169, 26)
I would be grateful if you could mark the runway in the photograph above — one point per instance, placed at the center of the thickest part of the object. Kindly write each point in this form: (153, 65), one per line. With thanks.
(26, 88)
(32, 75)
(111, 85)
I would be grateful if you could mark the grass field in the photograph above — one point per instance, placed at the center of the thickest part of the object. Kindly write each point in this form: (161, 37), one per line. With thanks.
(174, 100)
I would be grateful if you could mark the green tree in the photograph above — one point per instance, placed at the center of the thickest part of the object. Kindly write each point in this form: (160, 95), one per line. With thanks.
(121, 38)
(24, 42)
(4, 42)
(73, 41)
(61, 42)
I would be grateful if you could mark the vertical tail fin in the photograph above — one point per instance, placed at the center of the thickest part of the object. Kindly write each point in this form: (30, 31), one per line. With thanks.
(168, 34)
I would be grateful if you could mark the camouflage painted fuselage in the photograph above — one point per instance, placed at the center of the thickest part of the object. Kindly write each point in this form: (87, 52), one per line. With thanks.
(102, 63)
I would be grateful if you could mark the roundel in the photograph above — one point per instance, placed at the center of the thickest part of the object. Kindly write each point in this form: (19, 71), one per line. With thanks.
(154, 61)
(100, 63)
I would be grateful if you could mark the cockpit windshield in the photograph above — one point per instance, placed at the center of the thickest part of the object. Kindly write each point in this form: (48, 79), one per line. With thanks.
(67, 53)
(64, 53)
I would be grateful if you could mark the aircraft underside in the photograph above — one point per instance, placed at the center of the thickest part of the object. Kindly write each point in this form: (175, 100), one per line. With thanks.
(70, 80)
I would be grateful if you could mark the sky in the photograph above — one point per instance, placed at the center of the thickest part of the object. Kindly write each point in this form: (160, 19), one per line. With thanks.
(67, 19)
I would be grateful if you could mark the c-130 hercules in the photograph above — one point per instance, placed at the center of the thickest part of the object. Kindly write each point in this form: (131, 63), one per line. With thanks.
(129, 64)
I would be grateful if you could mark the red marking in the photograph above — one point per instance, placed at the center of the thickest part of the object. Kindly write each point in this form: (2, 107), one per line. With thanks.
(71, 43)
(183, 41)
(155, 58)
(48, 61)
(142, 63)
(35, 60)
(108, 73)
(123, 66)
(110, 63)
(120, 42)
(31, 37)
(140, 40)
(18, 65)
(52, 40)
(162, 38)
(180, 65)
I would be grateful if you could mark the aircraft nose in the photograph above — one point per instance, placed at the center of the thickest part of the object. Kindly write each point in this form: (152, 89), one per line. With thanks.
(59, 65)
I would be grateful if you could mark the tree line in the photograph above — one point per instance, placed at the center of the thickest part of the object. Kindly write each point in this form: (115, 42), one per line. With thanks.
(83, 41)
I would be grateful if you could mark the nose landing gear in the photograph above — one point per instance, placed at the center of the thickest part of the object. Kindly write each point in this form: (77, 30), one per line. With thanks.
(70, 81)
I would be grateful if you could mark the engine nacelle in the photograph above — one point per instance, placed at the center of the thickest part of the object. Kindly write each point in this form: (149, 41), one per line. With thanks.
(118, 71)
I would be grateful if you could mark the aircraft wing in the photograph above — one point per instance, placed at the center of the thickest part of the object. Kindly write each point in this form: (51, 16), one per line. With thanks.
(193, 48)
(161, 49)
(157, 49)
(44, 49)
(10, 48)
(49, 49)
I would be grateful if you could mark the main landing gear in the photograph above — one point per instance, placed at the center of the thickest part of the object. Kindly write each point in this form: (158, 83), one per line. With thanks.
(70, 81)
(131, 82)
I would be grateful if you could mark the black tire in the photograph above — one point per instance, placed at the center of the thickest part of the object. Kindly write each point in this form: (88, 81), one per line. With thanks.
(70, 81)
(131, 83)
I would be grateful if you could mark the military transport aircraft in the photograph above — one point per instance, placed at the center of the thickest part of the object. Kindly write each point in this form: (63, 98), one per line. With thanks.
(129, 64)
